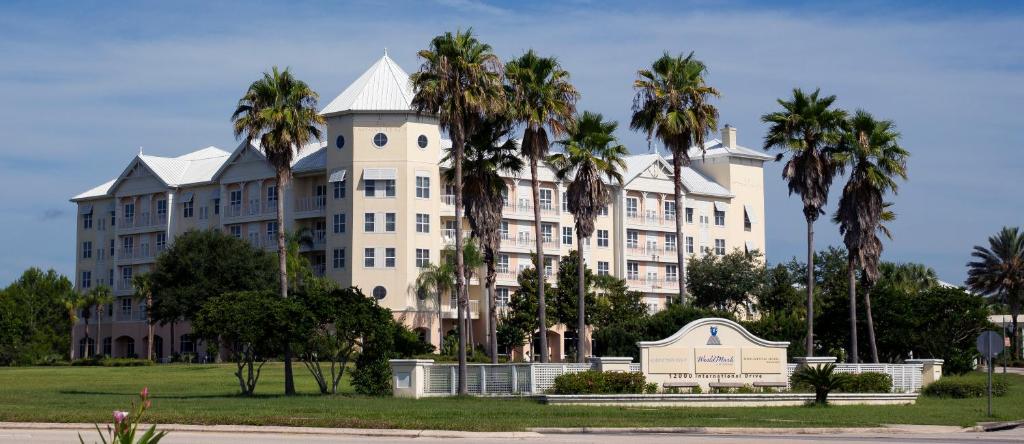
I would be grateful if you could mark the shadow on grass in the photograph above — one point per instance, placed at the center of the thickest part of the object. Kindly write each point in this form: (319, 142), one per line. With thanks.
(207, 396)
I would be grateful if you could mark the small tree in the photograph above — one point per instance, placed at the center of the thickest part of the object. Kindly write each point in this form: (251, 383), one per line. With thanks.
(516, 326)
(725, 282)
(339, 320)
(822, 378)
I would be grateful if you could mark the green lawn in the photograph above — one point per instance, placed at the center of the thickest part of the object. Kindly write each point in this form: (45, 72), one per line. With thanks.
(205, 394)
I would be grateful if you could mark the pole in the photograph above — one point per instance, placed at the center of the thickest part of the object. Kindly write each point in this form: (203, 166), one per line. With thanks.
(989, 384)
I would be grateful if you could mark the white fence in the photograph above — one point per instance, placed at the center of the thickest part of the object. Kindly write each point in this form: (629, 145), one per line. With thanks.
(536, 378)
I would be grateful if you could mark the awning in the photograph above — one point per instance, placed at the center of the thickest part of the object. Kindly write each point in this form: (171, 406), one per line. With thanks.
(215, 194)
(85, 209)
(721, 206)
(750, 214)
(187, 196)
(338, 176)
(750, 246)
(380, 173)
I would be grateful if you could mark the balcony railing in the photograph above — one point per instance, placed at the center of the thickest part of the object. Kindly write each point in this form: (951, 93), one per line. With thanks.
(311, 204)
(448, 235)
(142, 220)
(450, 310)
(651, 218)
(252, 208)
(132, 253)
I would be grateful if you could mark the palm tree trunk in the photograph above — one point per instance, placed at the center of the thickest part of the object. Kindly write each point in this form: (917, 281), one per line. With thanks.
(871, 327)
(677, 169)
(440, 322)
(851, 272)
(149, 322)
(470, 339)
(85, 349)
(282, 263)
(172, 340)
(492, 310)
(1014, 338)
(581, 321)
(460, 273)
(96, 344)
(810, 287)
(541, 304)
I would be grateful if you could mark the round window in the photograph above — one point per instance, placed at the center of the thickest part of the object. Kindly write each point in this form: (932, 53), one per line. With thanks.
(379, 292)
(422, 141)
(339, 142)
(380, 139)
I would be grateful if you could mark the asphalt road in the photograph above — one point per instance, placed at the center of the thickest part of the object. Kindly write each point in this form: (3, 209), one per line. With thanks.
(181, 437)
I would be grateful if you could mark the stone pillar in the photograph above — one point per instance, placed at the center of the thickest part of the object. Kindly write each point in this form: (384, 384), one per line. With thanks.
(611, 363)
(408, 377)
(931, 369)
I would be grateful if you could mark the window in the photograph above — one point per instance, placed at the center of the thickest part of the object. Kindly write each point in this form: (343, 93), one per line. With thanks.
(602, 268)
(369, 220)
(113, 219)
(567, 235)
(126, 306)
(422, 141)
(422, 223)
(235, 198)
(379, 292)
(369, 257)
(631, 206)
(271, 195)
(602, 238)
(670, 210)
(422, 257)
(720, 218)
(545, 198)
(86, 250)
(187, 209)
(670, 242)
(129, 211)
(632, 238)
(236, 231)
(632, 270)
(389, 222)
(272, 230)
(161, 207)
(389, 188)
(549, 266)
(86, 279)
(504, 229)
(339, 142)
(720, 247)
(746, 220)
(321, 195)
(339, 189)
(161, 241)
(502, 266)
(339, 258)
(689, 215)
(204, 213)
(370, 188)
(186, 344)
(546, 232)
(501, 296)
(380, 139)
(671, 273)
(87, 221)
(565, 202)
(111, 248)
(389, 257)
(603, 211)
(339, 223)
(423, 186)
(689, 244)
(216, 206)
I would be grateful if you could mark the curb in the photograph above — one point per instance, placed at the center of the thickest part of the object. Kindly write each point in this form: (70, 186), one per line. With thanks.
(893, 430)
(998, 426)
(395, 433)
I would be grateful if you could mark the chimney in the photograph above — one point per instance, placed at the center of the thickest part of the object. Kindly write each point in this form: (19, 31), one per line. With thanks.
(729, 136)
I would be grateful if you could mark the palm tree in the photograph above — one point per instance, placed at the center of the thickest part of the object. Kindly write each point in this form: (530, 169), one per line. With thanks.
(543, 100)
(998, 271)
(871, 271)
(908, 277)
(870, 148)
(143, 284)
(73, 301)
(279, 111)
(95, 299)
(807, 128)
(439, 279)
(672, 104)
(489, 153)
(592, 155)
(460, 79)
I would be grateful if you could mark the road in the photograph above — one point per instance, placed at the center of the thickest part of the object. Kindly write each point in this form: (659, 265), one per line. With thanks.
(183, 437)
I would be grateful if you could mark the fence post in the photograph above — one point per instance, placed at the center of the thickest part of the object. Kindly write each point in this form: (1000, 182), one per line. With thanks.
(533, 379)
(454, 383)
(515, 379)
(483, 379)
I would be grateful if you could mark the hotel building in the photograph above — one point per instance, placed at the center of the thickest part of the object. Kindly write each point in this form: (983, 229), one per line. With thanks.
(373, 197)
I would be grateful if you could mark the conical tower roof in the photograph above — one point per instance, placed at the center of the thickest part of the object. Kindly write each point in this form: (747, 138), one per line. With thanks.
(383, 87)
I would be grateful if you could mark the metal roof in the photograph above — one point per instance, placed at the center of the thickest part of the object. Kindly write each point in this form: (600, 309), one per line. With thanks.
(383, 87)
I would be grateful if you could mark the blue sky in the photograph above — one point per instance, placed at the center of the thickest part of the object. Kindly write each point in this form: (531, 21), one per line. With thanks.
(83, 85)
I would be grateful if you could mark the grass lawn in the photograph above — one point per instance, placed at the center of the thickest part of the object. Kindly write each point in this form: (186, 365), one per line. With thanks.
(206, 394)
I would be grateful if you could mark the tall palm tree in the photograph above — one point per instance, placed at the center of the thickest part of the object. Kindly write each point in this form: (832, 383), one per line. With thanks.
(95, 299)
(998, 271)
(672, 104)
(591, 155)
(544, 102)
(870, 149)
(460, 79)
(807, 128)
(279, 111)
(73, 301)
(489, 154)
(143, 285)
(440, 280)
(871, 272)
(908, 277)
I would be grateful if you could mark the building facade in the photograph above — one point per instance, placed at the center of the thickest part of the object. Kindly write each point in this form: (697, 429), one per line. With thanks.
(373, 196)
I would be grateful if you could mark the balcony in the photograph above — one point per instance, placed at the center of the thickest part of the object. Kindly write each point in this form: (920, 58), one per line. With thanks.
(142, 221)
(267, 242)
(651, 219)
(131, 254)
(319, 270)
(652, 282)
(319, 239)
(504, 274)
(312, 206)
(254, 208)
(124, 287)
(448, 236)
(450, 310)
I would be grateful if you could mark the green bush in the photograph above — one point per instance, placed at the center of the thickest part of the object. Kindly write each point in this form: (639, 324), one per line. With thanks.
(967, 386)
(822, 378)
(868, 382)
(594, 382)
(111, 362)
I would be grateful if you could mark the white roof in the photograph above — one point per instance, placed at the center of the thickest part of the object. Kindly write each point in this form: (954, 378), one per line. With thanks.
(693, 181)
(191, 168)
(714, 148)
(383, 87)
(98, 191)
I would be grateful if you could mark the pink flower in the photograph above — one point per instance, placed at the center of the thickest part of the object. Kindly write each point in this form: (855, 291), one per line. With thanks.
(119, 416)
(145, 392)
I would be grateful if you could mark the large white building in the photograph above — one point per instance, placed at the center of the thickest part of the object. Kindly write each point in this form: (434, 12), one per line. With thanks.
(374, 198)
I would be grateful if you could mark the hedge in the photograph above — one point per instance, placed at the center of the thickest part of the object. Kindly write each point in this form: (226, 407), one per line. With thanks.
(868, 382)
(965, 387)
(594, 382)
(111, 362)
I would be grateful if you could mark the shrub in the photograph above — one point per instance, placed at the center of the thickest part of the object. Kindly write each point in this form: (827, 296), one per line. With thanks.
(968, 386)
(822, 378)
(594, 382)
(107, 361)
(868, 382)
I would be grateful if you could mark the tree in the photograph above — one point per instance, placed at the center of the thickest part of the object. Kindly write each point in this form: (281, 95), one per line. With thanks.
(615, 303)
(566, 300)
(779, 295)
(998, 271)
(459, 80)
(870, 148)
(440, 280)
(544, 101)
(34, 323)
(949, 321)
(908, 277)
(96, 298)
(591, 155)
(73, 302)
(143, 285)
(519, 322)
(725, 282)
(672, 104)
(489, 153)
(279, 111)
(807, 128)
(253, 326)
(339, 319)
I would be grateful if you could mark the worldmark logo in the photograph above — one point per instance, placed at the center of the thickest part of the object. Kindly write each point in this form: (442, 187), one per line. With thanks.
(713, 340)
